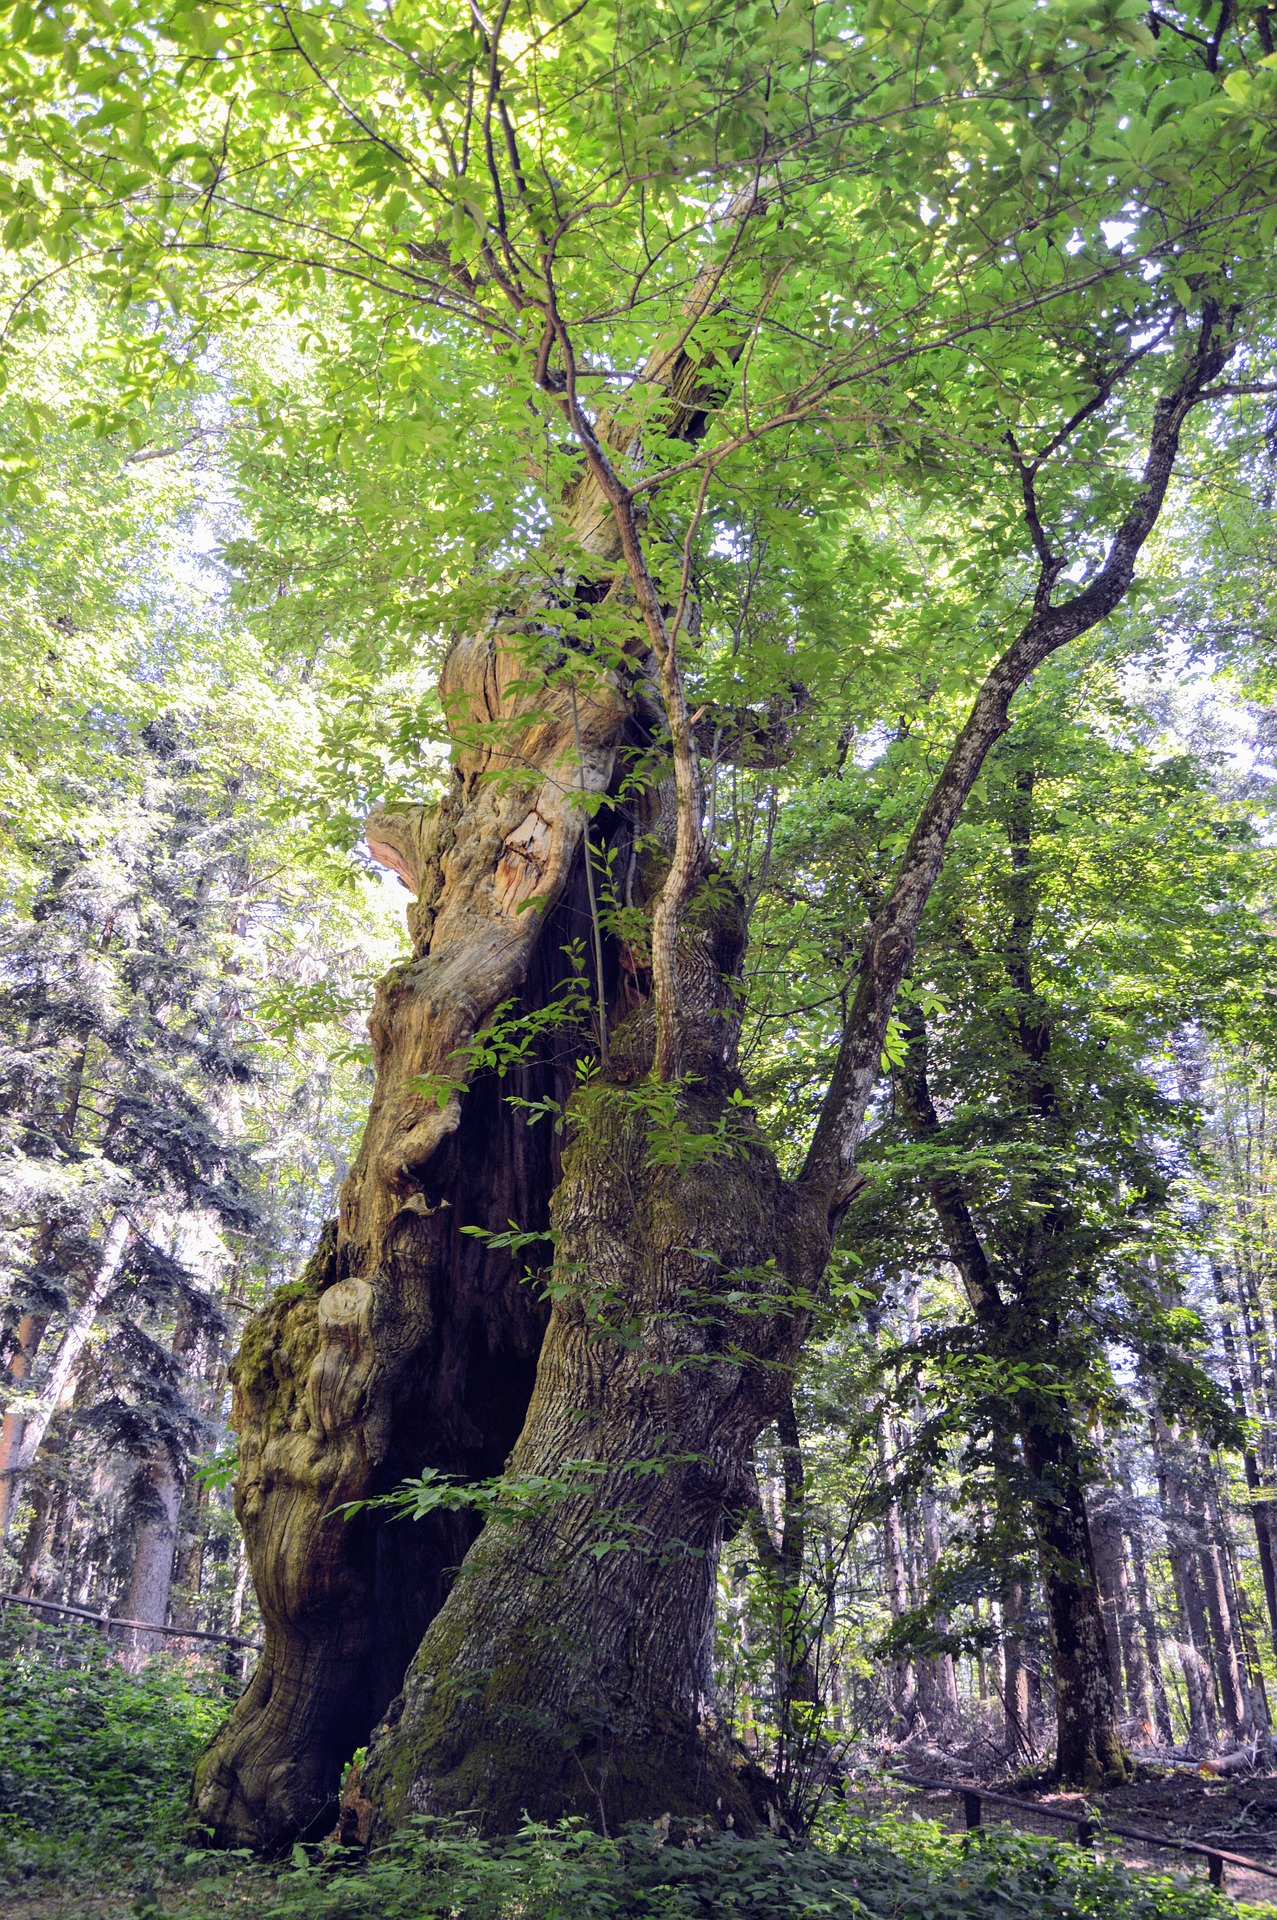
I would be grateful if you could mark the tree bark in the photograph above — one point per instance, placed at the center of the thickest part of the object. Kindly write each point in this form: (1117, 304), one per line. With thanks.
(1016, 1704)
(1194, 1633)
(29, 1333)
(407, 1344)
(570, 1668)
(1262, 1509)
(1089, 1750)
(1122, 1624)
(151, 1575)
(1148, 1625)
(943, 1678)
(904, 1689)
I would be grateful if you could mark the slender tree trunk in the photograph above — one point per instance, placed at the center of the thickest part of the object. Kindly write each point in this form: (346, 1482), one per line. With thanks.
(1228, 1653)
(30, 1332)
(41, 1529)
(1016, 1705)
(1148, 1624)
(945, 1681)
(161, 1484)
(1122, 1624)
(1194, 1633)
(146, 1597)
(188, 1560)
(1111, 1578)
(1262, 1509)
(904, 1680)
(72, 1344)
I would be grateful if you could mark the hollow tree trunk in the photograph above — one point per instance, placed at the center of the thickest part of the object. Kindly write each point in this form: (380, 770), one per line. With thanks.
(409, 1344)
(406, 1344)
(570, 1669)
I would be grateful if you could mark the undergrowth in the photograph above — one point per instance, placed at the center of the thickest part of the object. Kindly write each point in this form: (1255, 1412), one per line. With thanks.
(94, 1761)
(896, 1869)
(94, 1765)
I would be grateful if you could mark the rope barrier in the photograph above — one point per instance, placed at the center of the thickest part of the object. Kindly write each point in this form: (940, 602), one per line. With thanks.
(1089, 1825)
(135, 1626)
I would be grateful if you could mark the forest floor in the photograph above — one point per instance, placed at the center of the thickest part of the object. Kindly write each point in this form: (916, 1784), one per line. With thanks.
(95, 1764)
(1239, 1816)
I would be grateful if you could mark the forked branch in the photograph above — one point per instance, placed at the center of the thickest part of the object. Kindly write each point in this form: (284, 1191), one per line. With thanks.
(889, 946)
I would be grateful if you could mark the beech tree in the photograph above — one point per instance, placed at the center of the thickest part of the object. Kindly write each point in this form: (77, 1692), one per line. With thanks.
(613, 289)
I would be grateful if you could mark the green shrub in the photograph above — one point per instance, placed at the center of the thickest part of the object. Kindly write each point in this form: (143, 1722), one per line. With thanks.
(895, 1870)
(94, 1761)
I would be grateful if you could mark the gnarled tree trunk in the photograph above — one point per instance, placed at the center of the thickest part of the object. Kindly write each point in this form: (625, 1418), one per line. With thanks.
(409, 1342)
(567, 1667)
(570, 1668)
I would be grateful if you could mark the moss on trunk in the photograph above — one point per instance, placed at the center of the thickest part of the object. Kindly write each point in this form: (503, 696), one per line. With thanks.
(570, 1669)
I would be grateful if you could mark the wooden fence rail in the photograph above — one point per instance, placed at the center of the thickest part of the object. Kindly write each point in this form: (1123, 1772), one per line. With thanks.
(1089, 1825)
(108, 1621)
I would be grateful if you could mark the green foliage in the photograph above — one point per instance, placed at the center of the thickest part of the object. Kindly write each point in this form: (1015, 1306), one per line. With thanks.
(94, 1761)
(894, 1870)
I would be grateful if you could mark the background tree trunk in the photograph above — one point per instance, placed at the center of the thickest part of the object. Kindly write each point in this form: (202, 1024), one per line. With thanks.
(1089, 1751)
(75, 1338)
(146, 1597)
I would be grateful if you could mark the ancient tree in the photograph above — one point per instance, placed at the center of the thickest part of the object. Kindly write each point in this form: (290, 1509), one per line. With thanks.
(666, 269)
